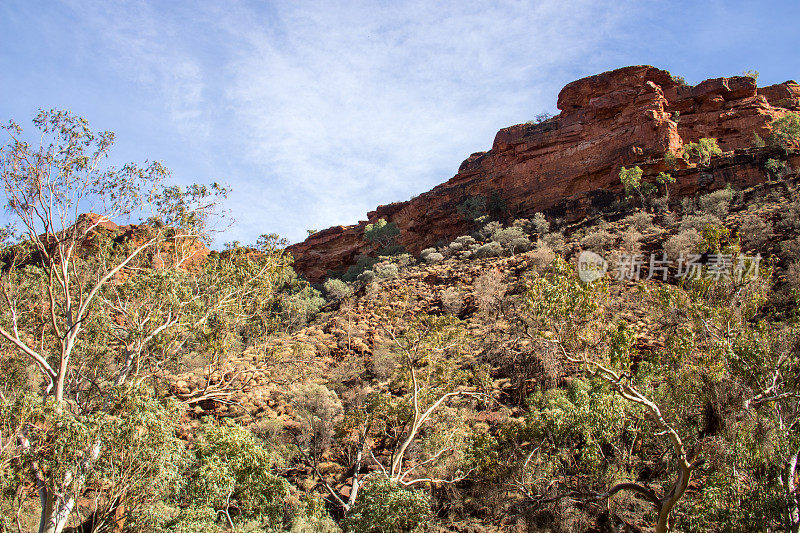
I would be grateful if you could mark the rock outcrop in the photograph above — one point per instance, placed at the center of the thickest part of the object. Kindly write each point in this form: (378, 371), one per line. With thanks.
(189, 253)
(568, 165)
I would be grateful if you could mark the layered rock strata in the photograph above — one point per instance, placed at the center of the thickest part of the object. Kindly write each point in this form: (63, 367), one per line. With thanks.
(568, 165)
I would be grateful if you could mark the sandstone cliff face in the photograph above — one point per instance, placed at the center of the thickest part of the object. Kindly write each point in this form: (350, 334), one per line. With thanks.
(569, 165)
(190, 254)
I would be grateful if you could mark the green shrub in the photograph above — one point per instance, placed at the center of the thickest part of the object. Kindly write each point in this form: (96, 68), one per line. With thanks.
(717, 203)
(680, 80)
(750, 73)
(363, 262)
(392, 250)
(455, 246)
(512, 239)
(777, 168)
(312, 517)
(473, 208)
(585, 413)
(785, 131)
(505, 236)
(555, 241)
(423, 255)
(141, 456)
(381, 232)
(301, 307)
(519, 245)
(631, 179)
(192, 519)
(384, 507)
(234, 470)
(489, 229)
(671, 160)
(699, 222)
(472, 249)
(491, 249)
(704, 149)
(386, 270)
(684, 242)
(403, 260)
(433, 257)
(366, 277)
(665, 179)
(337, 289)
(540, 118)
(640, 220)
(599, 240)
(496, 205)
(538, 224)
(466, 240)
(318, 410)
(660, 205)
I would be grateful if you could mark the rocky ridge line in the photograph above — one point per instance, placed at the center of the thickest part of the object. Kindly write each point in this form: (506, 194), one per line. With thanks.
(568, 166)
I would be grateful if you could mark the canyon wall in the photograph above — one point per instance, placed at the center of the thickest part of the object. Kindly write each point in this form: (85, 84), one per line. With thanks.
(568, 165)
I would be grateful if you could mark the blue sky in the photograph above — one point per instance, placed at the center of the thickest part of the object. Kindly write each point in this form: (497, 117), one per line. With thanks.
(316, 112)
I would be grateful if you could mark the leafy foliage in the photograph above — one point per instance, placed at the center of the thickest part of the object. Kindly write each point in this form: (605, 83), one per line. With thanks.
(785, 131)
(704, 149)
(141, 456)
(233, 474)
(631, 179)
(337, 289)
(92, 306)
(381, 232)
(386, 507)
(473, 208)
(717, 203)
(777, 168)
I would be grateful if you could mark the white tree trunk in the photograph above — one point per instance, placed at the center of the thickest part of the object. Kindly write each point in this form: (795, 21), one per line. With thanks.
(57, 507)
(55, 512)
(791, 494)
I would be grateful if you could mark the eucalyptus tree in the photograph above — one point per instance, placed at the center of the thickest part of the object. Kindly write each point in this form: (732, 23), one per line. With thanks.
(717, 405)
(89, 304)
(418, 420)
(567, 313)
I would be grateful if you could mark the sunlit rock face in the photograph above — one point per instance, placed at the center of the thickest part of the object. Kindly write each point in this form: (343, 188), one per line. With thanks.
(568, 166)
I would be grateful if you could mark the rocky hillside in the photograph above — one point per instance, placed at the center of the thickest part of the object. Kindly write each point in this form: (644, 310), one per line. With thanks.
(524, 348)
(568, 165)
(352, 330)
(351, 349)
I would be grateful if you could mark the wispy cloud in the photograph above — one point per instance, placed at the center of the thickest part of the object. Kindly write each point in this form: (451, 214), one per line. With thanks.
(350, 106)
(316, 112)
(143, 47)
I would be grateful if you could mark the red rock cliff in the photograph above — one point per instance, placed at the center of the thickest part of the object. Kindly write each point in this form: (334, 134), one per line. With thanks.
(569, 164)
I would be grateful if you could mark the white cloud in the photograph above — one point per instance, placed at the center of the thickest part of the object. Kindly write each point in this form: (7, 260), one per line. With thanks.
(143, 47)
(318, 111)
(353, 105)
